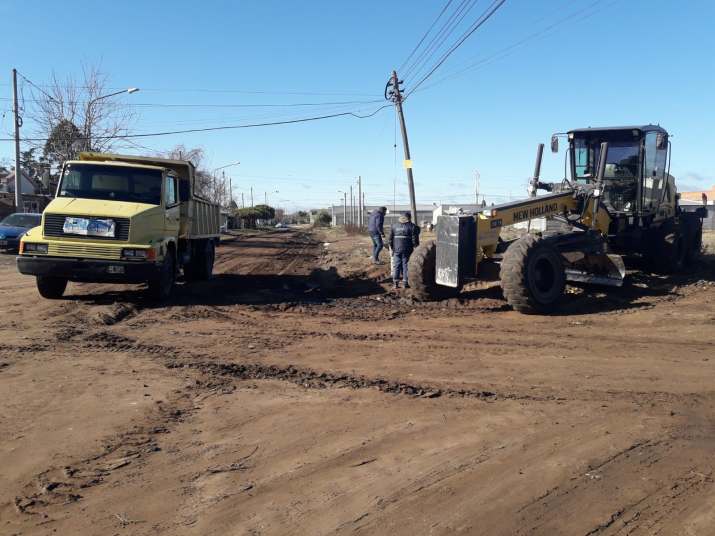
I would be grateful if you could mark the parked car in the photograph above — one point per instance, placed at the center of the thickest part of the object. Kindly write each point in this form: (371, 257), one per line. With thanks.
(14, 226)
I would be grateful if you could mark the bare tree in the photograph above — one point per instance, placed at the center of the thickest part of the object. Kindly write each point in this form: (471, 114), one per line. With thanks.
(100, 122)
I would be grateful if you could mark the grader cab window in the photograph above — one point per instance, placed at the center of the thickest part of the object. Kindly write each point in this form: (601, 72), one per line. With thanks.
(622, 168)
(654, 179)
(621, 160)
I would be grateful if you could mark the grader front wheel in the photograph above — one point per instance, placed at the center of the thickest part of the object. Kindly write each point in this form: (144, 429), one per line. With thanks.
(421, 270)
(532, 275)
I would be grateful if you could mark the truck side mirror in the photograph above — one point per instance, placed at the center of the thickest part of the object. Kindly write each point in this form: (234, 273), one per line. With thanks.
(661, 141)
(554, 144)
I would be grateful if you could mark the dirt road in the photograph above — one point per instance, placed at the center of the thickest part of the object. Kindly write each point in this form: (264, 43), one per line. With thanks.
(288, 397)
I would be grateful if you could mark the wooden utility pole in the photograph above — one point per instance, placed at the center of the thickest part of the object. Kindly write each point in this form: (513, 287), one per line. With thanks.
(395, 94)
(360, 207)
(18, 170)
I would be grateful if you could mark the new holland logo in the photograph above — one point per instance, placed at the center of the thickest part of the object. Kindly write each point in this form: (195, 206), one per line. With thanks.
(535, 212)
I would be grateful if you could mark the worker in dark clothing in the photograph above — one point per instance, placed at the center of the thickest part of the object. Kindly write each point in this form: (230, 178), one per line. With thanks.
(374, 227)
(404, 238)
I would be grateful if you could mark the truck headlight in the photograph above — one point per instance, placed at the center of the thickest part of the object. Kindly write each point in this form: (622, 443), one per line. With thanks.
(136, 254)
(31, 247)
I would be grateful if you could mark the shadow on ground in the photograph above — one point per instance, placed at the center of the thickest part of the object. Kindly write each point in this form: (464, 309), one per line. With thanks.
(320, 286)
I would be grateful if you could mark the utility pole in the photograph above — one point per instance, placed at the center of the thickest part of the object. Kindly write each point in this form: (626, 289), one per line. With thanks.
(251, 196)
(345, 209)
(243, 202)
(360, 207)
(18, 171)
(352, 206)
(395, 95)
(265, 198)
(476, 186)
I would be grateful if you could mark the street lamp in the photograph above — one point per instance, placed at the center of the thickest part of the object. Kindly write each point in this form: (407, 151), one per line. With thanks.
(88, 122)
(265, 196)
(230, 181)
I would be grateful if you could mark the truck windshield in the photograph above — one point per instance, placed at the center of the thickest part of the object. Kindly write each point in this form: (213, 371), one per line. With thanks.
(621, 162)
(111, 183)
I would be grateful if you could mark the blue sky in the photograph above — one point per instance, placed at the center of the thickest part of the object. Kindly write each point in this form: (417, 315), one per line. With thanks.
(619, 62)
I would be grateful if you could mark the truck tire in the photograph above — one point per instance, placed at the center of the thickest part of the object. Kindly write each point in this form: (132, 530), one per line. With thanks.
(162, 286)
(421, 272)
(200, 268)
(51, 288)
(205, 262)
(532, 275)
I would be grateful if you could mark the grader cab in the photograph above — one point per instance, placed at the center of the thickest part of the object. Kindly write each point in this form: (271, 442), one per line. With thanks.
(617, 199)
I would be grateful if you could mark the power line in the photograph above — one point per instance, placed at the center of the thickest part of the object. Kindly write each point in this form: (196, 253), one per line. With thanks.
(438, 39)
(404, 63)
(484, 17)
(581, 14)
(214, 105)
(228, 127)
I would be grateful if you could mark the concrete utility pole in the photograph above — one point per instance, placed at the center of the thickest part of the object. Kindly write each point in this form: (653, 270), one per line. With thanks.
(18, 171)
(352, 206)
(395, 94)
(476, 186)
(360, 207)
(243, 202)
(345, 209)
(251, 196)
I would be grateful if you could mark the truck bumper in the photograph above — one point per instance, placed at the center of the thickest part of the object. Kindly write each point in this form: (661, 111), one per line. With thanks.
(88, 271)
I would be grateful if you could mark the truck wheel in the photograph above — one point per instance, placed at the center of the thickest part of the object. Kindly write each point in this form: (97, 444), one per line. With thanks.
(51, 288)
(205, 263)
(162, 286)
(532, 275)
(422, 275)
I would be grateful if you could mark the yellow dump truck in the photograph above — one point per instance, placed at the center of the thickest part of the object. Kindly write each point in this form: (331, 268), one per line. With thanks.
(122, 219)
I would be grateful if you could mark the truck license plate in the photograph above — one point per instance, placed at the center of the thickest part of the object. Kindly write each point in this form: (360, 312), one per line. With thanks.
(89, 227)
(115, 269)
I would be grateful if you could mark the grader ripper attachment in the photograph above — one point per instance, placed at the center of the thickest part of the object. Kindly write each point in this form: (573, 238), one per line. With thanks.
(619, 201)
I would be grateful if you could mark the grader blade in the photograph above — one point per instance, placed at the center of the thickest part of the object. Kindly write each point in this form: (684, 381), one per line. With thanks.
(606, 270)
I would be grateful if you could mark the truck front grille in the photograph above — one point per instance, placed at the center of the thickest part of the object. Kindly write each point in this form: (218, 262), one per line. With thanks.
(55, 222)
(84, 251)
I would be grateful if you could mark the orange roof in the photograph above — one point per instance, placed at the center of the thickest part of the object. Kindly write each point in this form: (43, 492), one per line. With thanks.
(698, 196)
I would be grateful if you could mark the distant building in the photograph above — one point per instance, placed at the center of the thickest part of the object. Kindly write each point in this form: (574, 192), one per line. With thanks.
(33, 198)
(690, 201)
(424, 214)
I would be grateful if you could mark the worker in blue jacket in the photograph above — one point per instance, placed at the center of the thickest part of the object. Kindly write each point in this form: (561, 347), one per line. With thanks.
(375, 229)
(404, 238)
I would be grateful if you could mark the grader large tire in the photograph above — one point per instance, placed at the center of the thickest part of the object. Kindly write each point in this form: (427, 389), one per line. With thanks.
(532, 275)
(668, 249)
(694, 243)
(421, 270)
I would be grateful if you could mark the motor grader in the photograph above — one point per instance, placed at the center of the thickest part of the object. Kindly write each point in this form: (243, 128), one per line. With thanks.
(617, 199)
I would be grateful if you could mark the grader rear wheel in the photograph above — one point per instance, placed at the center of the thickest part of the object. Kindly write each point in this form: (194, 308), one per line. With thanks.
(532, 275)
(421, 269)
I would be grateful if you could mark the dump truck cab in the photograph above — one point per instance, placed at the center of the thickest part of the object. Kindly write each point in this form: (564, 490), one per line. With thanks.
(122, 219)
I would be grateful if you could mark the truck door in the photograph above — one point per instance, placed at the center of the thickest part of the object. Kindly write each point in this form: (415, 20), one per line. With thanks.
(653, 173)
(171, 206)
